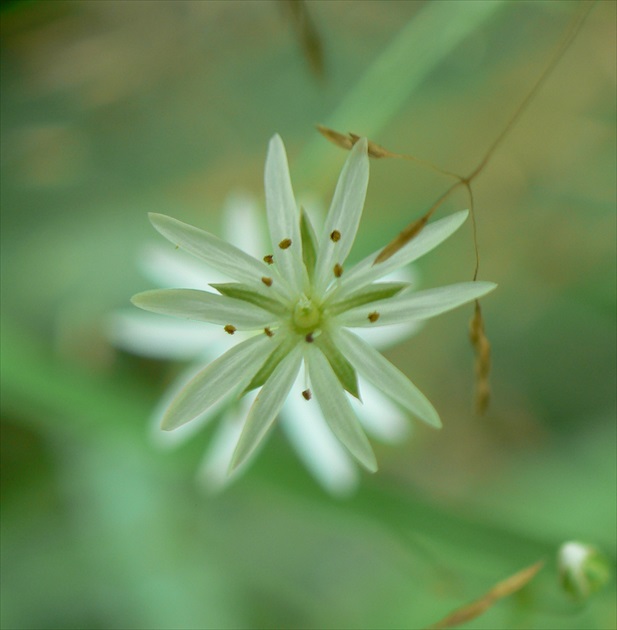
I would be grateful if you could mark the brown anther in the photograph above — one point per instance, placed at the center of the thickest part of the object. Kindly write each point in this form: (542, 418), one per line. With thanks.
(285, 243)
(267, 281)
(373, 317)
(268, 332)
(306, 394)
(309, 338)
(230, 329)
(335, 236)
(338, 270)
(269, 258)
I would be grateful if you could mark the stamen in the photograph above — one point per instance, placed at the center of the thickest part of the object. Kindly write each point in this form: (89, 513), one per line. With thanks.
(306, 394)
(268, 332)
(309, 338)
(338, 270)
(230, 329)
(373, 317)
(267, 281)
(269, 258)
(285, 243)
(335, 236)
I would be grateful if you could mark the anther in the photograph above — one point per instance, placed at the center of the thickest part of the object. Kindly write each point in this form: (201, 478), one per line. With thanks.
(306, 394)
(373, 317)
(309, 338)
(285, 243)
(338, 270)
(335, 236)
(269, 258)
(230, 329)
(267, 281)
(268, 332)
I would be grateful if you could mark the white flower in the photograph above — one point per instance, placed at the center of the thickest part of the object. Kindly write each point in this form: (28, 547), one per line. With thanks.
(300, 302)
(161, 337)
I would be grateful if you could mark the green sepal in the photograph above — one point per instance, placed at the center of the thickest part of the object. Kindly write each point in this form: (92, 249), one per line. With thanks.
(309, 243)
(276, 356)
(247, 294)
(372, 293)
(344, 371)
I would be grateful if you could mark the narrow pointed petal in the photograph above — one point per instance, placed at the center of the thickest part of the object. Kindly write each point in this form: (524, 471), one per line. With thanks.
(336, 408)
(225, 258)
(431, 236)
(420, 305)
(390, 380)
(283, 214)
(267, 406)
(380, 417)
(229, 374)
(323, 455)
(205, 307)
(159, 337)
(344, 214)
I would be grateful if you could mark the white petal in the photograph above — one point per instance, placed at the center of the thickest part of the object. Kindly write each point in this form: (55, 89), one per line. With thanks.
(431, 236)
(221, 379)
(379, 416)
(336, 408)
(243, 224)
(168, 267)
(283, 215)
(226, 258)
(171, 439)
(384, 337)
(316, 445)
(267, 405)
(214, 471)
(344, 214)
(390, 380)
(414, 306)
(205, 307)
(159, 337)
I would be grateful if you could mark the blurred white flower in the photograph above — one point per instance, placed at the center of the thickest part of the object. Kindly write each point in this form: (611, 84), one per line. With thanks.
(303, 304)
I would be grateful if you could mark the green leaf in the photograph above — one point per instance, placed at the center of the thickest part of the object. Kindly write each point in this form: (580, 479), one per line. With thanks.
(340, 365)
(372, 293)
(244, 292)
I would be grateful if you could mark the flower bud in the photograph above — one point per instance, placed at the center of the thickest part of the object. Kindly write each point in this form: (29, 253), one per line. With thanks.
(583, 570)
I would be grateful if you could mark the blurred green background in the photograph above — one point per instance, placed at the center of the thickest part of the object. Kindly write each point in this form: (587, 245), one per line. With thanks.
(113, 109)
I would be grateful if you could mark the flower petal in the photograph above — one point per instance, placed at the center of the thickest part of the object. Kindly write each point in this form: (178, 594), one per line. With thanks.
(158, 336)
(420, 305)
(336, 408)
(323, 455)
(344, 215)
(205, 307)
(283, 215)
(432, 235)
(389, 379)
(379, 416)
(225, 376)
(225, 258)
(267, 406)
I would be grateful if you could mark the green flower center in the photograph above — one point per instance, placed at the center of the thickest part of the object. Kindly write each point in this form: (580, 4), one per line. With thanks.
(306, 315)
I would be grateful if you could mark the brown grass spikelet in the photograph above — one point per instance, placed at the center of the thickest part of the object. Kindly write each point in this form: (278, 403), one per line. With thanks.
(502, 589)
(482, 348)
